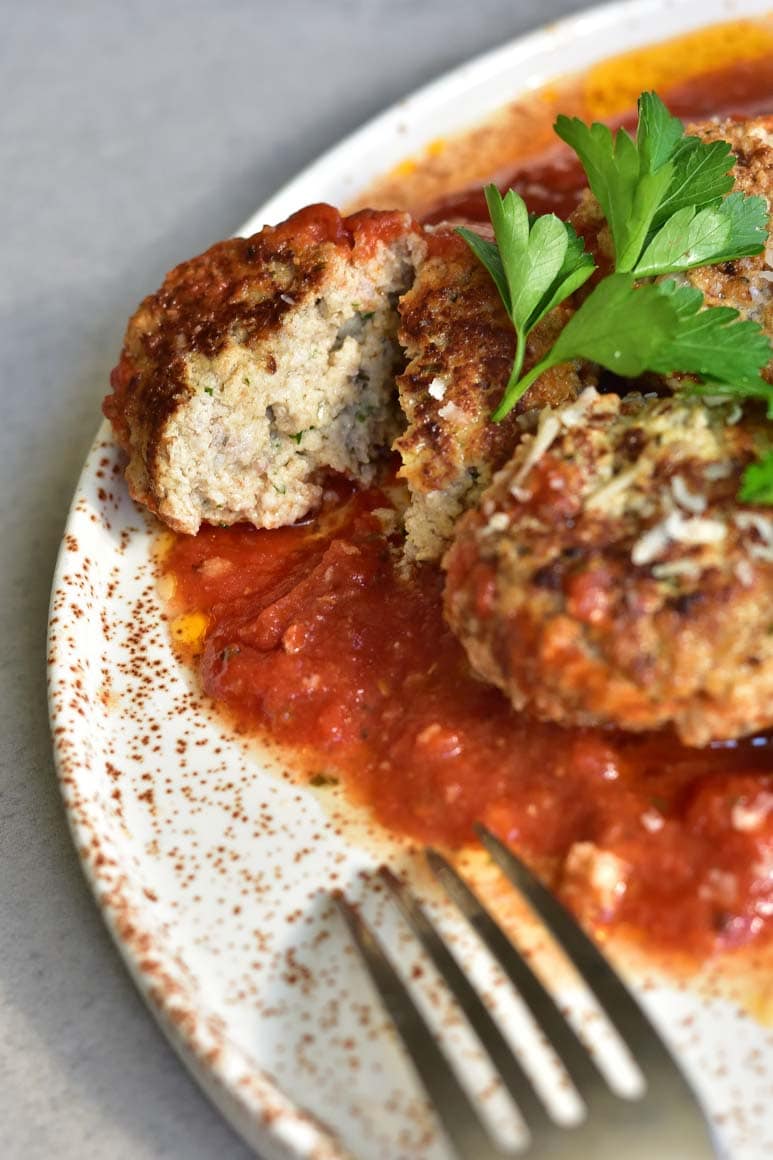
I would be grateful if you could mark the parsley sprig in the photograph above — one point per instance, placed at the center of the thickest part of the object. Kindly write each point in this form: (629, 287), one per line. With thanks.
(662, 194)
(660, 327)
(536, 263)
(668, 203)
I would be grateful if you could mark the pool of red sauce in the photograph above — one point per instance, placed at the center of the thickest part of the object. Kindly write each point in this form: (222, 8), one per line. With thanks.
(554, 181)
(317, 637)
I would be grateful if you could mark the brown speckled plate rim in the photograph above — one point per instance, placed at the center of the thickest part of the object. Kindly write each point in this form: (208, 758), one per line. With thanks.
(246, 1096)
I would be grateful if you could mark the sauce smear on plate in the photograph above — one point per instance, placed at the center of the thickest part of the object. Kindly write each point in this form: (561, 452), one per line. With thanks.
(552, 182)
(316, 635)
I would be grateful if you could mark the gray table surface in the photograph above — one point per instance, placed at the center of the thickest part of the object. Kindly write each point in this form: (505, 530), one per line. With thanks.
(132, 136)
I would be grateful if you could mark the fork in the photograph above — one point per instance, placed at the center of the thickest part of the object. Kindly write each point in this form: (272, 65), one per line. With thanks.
(666, 1122)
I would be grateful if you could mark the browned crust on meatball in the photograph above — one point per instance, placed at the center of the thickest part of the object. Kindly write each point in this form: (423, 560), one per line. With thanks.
(226, 303)
(614, 578)
(460, 345)
(237, 288)
(750, 142)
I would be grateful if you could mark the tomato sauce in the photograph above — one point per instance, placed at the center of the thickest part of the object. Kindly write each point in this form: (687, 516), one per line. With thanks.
(553, 181)
(315, 635)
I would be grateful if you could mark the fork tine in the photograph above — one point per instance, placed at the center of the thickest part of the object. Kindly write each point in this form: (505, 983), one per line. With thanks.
(510, 1071)
(575, 1057)
(450, 1101)
(634, 1028)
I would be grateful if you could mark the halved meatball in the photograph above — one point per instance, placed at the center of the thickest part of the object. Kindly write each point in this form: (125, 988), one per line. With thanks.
(609, 576)
(460, 344)
(263, 364)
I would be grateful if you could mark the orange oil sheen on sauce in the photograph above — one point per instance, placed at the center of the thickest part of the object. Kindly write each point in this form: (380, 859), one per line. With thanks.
(315, 635)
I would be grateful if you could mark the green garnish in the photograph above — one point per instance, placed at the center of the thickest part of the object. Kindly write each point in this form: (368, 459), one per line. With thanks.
(662, 196)
(757, 483)
(726, 354)
(536, 264)
(668, 203)
(692, 237)
(659, 327)
(662, 193)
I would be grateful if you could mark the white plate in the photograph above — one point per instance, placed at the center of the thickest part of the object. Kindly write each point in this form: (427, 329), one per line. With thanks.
(209, 864)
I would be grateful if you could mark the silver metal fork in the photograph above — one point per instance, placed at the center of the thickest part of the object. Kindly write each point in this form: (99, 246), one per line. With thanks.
(664, 1123)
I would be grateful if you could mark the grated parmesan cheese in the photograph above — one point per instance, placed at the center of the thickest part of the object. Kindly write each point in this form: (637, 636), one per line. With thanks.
(748, 816)
(652, 821)
(452, 412)
(499, 522)
(718, 470)
(758, 521)
(689, 500)
(675, 528)
(617, 485)
(604, 872)
(763, 526)
(576, 414)
(549, 428)
(689, 569)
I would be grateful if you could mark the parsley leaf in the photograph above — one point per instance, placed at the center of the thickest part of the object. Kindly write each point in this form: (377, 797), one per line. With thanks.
(710, 343)
(736, 228)
(536, 263)
(618, 326)
(668, 203)
(701, 174)
(749, 224)
(658, 133)
(628, 179)
(662, 194)
(660, 327)
(757, 482)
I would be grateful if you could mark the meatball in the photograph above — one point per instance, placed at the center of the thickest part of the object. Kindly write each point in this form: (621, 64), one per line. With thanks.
(744, 284)
(263, 364)
(609, 576)
(460, 343)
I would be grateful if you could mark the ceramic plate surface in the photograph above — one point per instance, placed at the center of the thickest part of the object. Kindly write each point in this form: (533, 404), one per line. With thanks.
(212, 867)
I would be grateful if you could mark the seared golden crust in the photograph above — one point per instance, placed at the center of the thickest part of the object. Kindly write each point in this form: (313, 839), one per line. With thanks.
(610, 577)
(222, 323)
(460, 345)
(751, 141)
(239, 289)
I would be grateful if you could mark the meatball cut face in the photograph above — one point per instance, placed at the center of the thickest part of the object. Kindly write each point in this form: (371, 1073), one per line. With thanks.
(263, 364)
(459, 344)
(609, 576)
